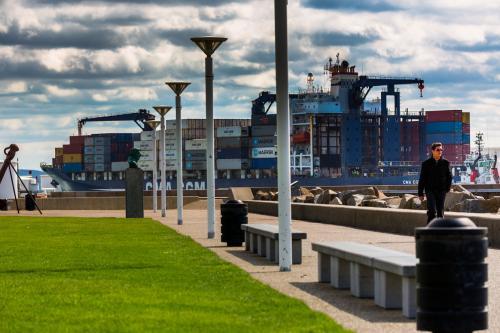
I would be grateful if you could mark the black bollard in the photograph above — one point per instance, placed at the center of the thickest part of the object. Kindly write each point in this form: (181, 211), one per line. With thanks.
(451, 276)
(234, 213)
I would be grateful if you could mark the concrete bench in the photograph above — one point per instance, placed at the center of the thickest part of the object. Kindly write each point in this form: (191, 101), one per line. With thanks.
(263, 240)
(369, 271)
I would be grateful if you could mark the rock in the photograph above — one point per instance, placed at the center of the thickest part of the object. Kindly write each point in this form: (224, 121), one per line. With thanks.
(304, 191)
(453, 198)
(262, 195)
(309, 198)
(344, 196)
(375, 203)
(357, 199)
(392, 202)
(379, 193)
(316, 197)
(326, 197)
(414, 203)
(336, 201)
(317, 190)
(479, 206)
(274, 196)
(405, 199)
(498, 211)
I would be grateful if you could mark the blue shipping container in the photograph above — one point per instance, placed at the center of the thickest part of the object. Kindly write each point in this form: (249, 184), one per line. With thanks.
(444, 127)
(124, 137)
(466, 139)
(229, 153)
(445, 138)
(72, 167)
(264, 163)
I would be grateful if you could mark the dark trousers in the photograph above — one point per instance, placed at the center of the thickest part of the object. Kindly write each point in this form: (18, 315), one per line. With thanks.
(435, 205)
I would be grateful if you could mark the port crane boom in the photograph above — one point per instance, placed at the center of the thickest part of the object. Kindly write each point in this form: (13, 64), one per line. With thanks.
(140, 117)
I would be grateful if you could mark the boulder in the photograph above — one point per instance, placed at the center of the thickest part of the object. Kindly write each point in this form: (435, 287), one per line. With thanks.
(392, 202)
(309, 198)
(326, 197)
(274, 196)
(317, 190)
(453, 198)
(415, 203)
(479, 206)
(375, 203)
(304, 191)
(405, 199)
(379, 193)
(357, 199)
(262, 195)
(344, 196)
(336, 201)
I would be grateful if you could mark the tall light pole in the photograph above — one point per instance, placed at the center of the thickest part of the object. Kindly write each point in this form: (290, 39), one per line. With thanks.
(208, 45)
(283, 129)
(162, 110)
(154, 124)
(178, 88)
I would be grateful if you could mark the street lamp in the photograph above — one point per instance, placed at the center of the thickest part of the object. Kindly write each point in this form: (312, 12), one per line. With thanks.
(208, 45)
(162, 110)
(283, 129)
(154, 124)
(178, 88)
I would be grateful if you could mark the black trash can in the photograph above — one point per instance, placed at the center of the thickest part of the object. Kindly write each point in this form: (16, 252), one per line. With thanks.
(451, 276)
(29, 202)
(234, 213)
(4, 204)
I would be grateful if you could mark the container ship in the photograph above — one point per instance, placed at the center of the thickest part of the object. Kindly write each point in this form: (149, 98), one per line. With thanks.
(337, 138)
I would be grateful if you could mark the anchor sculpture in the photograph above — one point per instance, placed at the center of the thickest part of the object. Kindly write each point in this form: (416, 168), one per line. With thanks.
(10, 153)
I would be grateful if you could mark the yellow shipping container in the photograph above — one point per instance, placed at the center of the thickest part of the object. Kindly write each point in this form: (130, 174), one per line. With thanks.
(72, 158)
(466, 117)
(59, 152)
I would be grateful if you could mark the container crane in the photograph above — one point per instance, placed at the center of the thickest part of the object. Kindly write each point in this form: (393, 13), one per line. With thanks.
(140, 117)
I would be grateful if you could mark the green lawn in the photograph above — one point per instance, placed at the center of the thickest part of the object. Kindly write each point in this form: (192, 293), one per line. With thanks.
(135, 275)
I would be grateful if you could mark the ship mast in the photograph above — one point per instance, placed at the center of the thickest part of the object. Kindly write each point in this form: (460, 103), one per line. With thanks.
(479, 143)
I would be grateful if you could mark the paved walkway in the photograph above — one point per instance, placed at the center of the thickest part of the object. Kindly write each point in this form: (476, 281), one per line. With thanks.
(361, 315)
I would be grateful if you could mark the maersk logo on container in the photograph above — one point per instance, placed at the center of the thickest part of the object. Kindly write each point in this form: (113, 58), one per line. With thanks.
(266, 152)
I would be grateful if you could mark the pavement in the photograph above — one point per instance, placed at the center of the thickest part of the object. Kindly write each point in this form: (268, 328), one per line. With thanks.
(360, 315)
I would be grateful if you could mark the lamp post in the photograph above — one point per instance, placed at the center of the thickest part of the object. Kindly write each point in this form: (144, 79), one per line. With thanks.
(154, 124)
(208, 45)
(162, 110)
(283, 129)
(178, 88)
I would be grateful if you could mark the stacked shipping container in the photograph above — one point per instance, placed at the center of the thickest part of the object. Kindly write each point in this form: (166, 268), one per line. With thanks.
(232, 148)
(263, 142)
(448, 128)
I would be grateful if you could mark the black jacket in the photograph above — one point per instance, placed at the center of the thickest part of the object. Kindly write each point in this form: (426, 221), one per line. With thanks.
(435, 176)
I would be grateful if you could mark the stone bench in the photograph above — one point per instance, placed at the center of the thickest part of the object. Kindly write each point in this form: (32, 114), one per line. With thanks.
(263, 240)
(369, 271)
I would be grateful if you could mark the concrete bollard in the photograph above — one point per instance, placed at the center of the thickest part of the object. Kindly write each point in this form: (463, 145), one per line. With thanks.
(451, 276)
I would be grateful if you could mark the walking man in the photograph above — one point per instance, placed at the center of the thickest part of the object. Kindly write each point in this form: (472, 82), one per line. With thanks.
(435, 179)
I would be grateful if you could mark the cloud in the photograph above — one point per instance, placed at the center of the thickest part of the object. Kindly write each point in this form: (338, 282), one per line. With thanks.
(351, 5)
(340, 38)
(200, 3)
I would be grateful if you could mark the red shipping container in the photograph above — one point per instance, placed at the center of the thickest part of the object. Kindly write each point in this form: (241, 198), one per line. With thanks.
(447, 115)
(466, 149)
(77, 140)
(465, 128)
(72, 149)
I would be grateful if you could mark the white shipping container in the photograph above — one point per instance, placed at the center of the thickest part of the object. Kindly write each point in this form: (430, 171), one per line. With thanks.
(170, 144)
(171, 124)
(146, 155)
(143, 145)
(88, 141)
(145, 165)
(169, 134)
(265, 152)
(147, 135)
(119, 166)
(196, 144)
(229, 164)
(171, 154)
(230, 131)
(170, 165)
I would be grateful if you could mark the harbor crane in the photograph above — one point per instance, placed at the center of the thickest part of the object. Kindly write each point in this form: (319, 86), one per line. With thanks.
(140, 118)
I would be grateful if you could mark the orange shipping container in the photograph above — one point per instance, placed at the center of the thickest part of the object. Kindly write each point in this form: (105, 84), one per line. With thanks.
(72, 158)
(466, 117)
(58, 152)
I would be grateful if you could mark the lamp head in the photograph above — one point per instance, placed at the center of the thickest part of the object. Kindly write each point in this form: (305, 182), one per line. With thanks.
(208, 44)
(153, 123)
(178, 87)
(162, 110)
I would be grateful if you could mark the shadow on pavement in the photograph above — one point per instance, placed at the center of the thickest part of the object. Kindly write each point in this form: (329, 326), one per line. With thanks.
(343, 300)
(251, 258)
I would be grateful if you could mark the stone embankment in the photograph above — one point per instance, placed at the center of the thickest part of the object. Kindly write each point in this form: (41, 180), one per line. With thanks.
(458, 199)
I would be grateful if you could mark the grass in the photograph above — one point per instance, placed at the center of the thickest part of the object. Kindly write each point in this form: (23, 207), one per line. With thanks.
(134, 275)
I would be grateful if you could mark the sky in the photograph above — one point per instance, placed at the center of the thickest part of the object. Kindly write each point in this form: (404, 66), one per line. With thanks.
(61, 60)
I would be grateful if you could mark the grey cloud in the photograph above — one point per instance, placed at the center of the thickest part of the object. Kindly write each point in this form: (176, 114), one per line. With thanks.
(450, 76)
(340, 38)
(212, 3)
(118, 20)
(492, 44)
(69, 37)
(352, 5)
